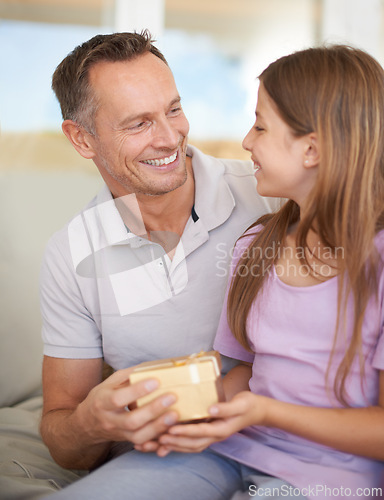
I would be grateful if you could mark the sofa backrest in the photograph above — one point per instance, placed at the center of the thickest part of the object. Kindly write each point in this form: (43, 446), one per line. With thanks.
(33, 205)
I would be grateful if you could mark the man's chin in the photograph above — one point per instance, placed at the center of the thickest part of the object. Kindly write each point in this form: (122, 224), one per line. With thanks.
(167, 189)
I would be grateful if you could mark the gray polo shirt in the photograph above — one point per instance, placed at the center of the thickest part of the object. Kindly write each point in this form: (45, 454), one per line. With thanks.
(106, 292)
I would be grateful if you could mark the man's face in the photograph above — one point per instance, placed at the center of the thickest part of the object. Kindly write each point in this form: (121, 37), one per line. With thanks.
(141, 130)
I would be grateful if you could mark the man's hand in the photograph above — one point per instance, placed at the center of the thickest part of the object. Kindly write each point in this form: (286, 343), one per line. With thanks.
(83, 415)
(104, 411)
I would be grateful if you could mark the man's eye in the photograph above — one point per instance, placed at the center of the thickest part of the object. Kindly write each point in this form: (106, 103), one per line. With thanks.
(175, 111)
(137, 126)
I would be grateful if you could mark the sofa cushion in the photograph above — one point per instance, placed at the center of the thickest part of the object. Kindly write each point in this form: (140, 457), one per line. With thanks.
(27, 470)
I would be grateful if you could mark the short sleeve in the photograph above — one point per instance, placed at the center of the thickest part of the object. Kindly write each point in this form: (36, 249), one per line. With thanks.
(225, 342)
(378, 358)
(68, 330)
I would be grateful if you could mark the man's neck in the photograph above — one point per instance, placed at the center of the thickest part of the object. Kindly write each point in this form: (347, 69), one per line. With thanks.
(169, 212)
(160, 218)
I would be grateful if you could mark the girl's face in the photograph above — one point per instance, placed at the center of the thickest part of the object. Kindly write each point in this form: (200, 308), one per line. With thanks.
(281, 160)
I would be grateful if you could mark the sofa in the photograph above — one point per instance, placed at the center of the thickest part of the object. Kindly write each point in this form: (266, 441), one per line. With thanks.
(34, 203)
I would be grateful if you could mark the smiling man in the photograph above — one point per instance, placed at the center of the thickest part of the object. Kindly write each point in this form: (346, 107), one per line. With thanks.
(138, 274)
(141, 136)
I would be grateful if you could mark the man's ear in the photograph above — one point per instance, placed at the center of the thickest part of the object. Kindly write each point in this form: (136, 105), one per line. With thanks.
(311, 151)
(80, 139)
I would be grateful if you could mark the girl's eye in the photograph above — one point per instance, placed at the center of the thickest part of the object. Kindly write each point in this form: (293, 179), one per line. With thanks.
(258, 129)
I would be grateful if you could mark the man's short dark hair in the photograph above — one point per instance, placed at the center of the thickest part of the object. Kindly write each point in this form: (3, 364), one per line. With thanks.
(70, 81)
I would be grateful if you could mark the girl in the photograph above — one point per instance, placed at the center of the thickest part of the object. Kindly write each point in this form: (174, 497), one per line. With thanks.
(305, 308)
(304, 313)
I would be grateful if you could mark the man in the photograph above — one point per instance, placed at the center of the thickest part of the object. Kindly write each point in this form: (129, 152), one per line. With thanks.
(140, 274)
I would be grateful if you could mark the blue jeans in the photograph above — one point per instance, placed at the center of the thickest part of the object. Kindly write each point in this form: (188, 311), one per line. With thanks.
(145, 476)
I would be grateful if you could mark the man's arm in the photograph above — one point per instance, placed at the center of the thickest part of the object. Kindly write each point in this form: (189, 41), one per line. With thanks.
(83, 416)
(66, 383)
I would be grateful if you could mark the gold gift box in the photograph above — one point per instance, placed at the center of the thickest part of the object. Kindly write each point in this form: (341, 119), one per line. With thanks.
(195, 380)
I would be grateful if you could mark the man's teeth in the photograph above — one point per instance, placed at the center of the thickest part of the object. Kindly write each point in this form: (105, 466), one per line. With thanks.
(162, 161)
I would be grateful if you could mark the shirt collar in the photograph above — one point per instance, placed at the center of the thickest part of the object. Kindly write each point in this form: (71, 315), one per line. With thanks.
(110, 221)
(214, 201)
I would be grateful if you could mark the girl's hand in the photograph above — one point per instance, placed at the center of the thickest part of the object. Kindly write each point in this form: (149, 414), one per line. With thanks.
(243, 410)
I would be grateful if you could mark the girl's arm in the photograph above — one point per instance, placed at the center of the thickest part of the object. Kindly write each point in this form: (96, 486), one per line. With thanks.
(237, 379)
(359, 431)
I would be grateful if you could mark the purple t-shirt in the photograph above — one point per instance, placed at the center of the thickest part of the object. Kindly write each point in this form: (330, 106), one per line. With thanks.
(291, 330)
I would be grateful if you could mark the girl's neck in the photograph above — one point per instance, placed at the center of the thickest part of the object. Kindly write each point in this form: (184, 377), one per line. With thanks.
(311, 265)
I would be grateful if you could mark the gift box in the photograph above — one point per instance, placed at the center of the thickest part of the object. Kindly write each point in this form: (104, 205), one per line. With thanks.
(195, 380)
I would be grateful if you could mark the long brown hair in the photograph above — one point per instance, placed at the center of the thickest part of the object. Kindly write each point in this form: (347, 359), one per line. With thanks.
(338, 93)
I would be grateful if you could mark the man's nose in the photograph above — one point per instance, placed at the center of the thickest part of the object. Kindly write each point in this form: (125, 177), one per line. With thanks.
(166, 135)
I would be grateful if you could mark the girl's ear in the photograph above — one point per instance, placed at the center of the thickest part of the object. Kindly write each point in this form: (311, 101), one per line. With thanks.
(311, 151)
(80, 139)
